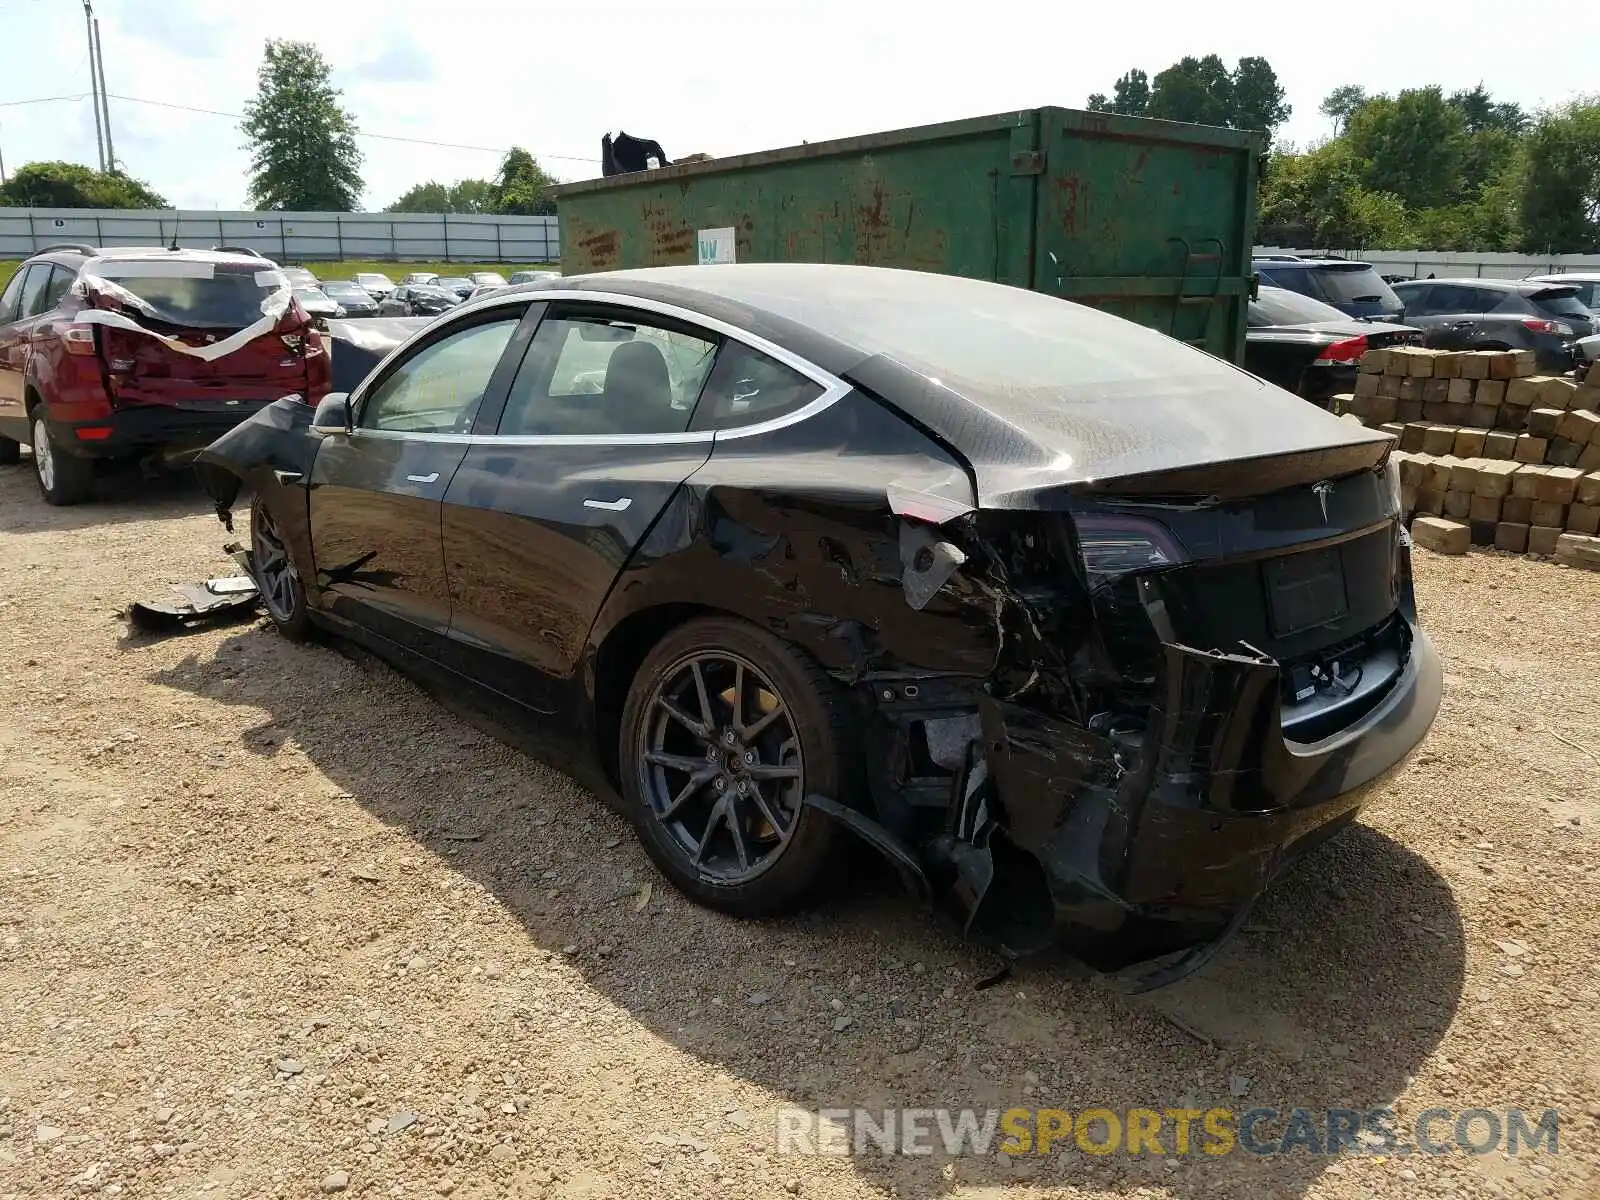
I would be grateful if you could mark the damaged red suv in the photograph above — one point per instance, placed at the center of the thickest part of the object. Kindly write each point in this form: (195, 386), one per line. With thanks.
(143, 353)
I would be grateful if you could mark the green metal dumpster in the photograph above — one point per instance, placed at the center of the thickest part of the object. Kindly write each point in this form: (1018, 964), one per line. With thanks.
(1151, 220)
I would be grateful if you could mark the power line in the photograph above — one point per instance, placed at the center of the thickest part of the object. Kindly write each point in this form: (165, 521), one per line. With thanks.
(44, 99)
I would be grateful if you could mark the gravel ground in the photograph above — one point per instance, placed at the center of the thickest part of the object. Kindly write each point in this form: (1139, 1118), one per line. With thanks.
(275, 923)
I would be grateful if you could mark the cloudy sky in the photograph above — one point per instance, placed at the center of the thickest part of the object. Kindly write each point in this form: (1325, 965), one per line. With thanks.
(697, 75)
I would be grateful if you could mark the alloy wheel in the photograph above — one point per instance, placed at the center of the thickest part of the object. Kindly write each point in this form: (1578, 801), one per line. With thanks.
(274, 572)
(44, 460)
(720, 765)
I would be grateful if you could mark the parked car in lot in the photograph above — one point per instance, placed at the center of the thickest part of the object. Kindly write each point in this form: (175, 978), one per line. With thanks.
(420, 277)
(483, 289)
(300, 277)
(140, 352)
(487, 279)
(458, 285)
(417, 300)
(375, 283)
(1086, 630)
(1354, 288)
(1311, 348)
(532, 276)
(1587, 284)
(1499, 314)
(319, 306)
(352, 297)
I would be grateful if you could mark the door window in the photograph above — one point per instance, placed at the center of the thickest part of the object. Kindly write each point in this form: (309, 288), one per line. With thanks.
(10, 297)
(34, 289)
(60, 280)
(607, 374)
(748, 386)
(1416, 298)
(438, 388)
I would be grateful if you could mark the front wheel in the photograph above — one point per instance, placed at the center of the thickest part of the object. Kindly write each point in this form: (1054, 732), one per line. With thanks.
(725, 730)
(63, 478)
(281, 589)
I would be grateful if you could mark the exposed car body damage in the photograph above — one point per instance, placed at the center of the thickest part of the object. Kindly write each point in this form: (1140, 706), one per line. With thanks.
(1108, 679)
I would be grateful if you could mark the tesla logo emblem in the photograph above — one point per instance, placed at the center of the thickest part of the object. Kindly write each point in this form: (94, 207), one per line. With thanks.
(1322, 491)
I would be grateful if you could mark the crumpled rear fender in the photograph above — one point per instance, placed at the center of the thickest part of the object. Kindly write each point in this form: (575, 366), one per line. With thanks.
(278, 439)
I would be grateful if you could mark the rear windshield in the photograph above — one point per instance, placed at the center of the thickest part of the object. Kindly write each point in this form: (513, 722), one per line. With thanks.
(1564, 302)
(1357, 282)
(195, 295)
(1278, 306)
(377, 279)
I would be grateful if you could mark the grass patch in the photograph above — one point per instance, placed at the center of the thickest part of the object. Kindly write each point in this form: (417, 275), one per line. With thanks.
(348, 269)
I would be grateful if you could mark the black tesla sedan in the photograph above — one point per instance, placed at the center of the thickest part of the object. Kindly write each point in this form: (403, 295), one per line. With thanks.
(1309, 347)
(1088, 632)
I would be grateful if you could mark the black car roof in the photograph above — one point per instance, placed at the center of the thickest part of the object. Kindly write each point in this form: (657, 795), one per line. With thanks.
(1031, 389)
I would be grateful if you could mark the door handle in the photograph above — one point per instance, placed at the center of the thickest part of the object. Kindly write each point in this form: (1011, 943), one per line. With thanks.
(610, 505)
(287, 477)
(431, 477)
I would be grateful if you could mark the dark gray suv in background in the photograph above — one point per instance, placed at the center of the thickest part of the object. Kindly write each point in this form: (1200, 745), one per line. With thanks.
(1499, 314)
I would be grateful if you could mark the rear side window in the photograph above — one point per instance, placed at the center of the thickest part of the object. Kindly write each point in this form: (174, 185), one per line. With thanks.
(606, 375)
(747, 386)
(35, 289)
(1415, 298)
(60, 280)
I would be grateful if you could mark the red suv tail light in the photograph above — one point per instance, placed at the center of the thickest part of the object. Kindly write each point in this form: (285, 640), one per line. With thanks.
(1348, 351)
(79, 339)
(1540, 325)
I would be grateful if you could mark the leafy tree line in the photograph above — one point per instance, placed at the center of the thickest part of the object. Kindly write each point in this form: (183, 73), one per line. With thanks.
(1416, 169)
(521, 187)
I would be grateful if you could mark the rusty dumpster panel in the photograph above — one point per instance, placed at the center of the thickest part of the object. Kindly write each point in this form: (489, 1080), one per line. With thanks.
(1151, 220)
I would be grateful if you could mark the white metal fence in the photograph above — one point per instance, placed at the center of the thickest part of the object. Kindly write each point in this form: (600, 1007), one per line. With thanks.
(291, 237)
(1454, 264)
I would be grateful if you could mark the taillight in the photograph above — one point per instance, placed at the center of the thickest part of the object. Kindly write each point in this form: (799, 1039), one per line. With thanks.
(79, 339)
(1114, 546)
(1540, 325)
(1348, 351)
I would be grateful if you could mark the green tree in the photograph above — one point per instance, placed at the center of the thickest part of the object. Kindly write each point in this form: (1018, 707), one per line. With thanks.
(1198, 90)
(1481, 112)
(1202, 91)
(1341, 104)
(1258, 97)
(464, 196)
(1411, 145)
(69, 185)
(1559, 196)
(303, 154)
(523, 186)
(1318, 199)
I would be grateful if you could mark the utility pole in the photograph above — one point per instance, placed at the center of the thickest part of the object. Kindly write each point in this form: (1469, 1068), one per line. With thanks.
(105, 100)
(94, 85)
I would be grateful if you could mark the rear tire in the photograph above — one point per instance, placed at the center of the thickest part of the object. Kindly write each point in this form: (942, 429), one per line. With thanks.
(763, 852)
(63, 479)
(281, 590)
(10, 452)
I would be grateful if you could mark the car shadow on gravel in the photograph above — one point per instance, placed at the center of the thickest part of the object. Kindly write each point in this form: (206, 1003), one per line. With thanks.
(122, 493)
(1345, 979)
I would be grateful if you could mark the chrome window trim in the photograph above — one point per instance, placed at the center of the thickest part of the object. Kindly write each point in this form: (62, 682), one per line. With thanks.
(833, 388)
